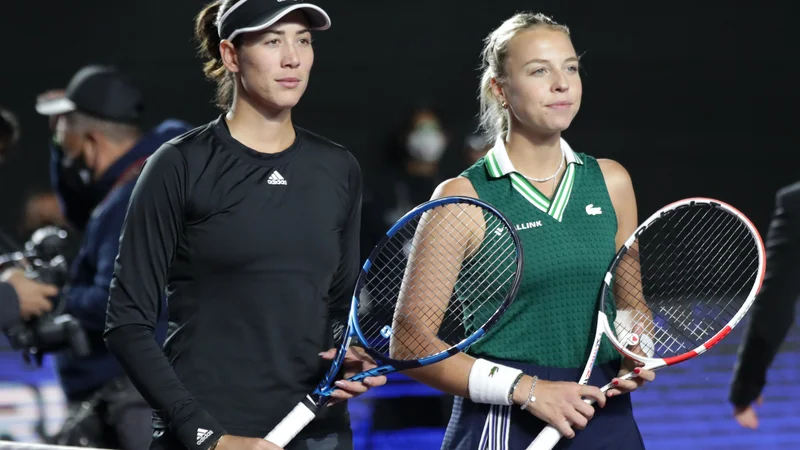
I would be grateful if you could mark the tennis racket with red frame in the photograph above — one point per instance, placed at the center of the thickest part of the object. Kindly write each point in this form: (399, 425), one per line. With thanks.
(682, 281)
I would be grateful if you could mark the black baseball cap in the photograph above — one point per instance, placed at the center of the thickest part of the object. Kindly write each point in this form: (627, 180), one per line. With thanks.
(246, 16)
(99, 91)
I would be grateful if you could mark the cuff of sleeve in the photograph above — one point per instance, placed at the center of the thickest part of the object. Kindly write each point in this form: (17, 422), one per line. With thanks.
(744, 394)
(199, 431)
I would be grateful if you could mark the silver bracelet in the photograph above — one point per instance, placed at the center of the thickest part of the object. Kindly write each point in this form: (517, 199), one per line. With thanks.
(531, 398)
(511, 391)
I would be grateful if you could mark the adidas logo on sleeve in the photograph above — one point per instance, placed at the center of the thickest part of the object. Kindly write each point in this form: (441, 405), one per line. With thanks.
(276, 178)
(202, 435)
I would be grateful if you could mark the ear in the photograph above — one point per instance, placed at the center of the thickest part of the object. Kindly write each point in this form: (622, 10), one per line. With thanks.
(230, 57)
(497, 90)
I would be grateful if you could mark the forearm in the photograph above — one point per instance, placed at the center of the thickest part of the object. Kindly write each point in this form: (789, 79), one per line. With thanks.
(150, 371)
(450, 376)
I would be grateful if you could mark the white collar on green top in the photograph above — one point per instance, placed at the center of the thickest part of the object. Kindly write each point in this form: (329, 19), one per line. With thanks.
(499, 165)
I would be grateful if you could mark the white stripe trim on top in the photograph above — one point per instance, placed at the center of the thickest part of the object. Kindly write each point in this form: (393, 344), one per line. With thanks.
(275, 19)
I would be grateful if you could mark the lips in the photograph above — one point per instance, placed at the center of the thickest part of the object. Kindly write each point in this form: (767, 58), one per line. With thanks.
(560, 105)
(289, 82)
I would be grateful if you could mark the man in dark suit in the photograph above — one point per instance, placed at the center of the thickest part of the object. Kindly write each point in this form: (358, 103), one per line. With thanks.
(772, 313)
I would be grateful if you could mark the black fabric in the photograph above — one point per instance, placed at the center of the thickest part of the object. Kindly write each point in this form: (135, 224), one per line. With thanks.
(258, 254)
(772, 313)
(254, 13)
(9, 306)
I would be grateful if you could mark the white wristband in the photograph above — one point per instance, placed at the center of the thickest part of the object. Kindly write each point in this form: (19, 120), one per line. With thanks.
(491, 383)
(647, 345)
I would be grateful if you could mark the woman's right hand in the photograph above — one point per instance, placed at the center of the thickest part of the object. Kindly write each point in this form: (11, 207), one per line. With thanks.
(559, 403)
(229, 442)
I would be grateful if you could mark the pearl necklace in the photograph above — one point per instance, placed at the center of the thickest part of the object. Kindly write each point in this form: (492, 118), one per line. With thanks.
(542, 180)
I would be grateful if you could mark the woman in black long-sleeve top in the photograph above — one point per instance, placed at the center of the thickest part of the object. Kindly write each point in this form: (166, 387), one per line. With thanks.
(251, 225)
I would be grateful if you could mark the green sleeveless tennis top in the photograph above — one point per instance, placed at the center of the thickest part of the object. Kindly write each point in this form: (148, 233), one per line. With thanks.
(568, 242)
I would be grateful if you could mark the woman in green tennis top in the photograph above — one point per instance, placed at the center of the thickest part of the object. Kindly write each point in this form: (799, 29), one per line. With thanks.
(572, 213)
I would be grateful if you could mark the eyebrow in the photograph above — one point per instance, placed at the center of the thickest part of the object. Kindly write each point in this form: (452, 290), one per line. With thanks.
(546, 61)
(281, 33)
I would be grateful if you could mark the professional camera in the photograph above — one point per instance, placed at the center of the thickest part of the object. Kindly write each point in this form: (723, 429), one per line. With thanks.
(43, 260)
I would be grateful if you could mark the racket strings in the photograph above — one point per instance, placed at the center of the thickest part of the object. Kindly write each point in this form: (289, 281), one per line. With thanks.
(405, 235)
(398, 252)
(409, 313)
(710, 249)
(451, 331)
(682, 281)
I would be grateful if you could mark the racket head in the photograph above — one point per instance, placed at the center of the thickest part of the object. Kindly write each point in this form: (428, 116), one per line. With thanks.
(387, 300)
(700, 263)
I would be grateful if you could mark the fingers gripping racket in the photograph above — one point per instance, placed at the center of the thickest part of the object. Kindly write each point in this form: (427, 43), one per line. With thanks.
(438, 280)
(677, 287)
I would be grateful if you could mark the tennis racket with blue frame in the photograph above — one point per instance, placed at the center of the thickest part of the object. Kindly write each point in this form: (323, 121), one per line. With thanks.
(405, 316)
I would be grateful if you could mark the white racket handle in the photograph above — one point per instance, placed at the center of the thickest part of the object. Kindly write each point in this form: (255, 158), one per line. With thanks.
(550, 436)
(546, 440)
(291, 425)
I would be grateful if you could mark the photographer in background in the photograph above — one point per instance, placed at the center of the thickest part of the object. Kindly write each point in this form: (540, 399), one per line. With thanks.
(20, 297)
(98, 151)
(9, 132)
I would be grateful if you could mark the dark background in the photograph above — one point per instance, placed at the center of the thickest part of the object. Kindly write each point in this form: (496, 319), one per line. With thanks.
(693, 98)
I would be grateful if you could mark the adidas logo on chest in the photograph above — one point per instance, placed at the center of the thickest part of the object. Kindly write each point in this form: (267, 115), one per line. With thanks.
(276, 178)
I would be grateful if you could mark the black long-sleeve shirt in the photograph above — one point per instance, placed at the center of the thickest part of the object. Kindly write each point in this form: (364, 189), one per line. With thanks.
(772, 313)
(259, 254)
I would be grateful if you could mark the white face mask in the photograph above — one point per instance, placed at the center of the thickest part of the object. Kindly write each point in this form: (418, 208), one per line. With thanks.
(426, 143)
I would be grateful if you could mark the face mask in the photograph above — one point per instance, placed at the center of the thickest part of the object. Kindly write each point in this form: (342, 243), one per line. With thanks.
(426, 143)
(75, 172)
(77, 178)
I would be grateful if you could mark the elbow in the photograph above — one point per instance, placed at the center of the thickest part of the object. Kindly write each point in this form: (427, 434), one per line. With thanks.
(113, 339)
(117, 338)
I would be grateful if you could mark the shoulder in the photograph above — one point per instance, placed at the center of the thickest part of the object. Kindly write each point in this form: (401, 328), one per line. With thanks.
(195, 145)
(616, 176)
(455, 187)
(317, 140)
(331, 151)
(110, 214)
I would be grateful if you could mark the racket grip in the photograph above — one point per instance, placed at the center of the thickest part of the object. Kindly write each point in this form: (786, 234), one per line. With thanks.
(546, 440)
(549, 436)
(292, 424)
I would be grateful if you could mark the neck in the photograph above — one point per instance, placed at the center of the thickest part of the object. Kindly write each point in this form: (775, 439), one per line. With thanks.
(261, 128)
(533, 155)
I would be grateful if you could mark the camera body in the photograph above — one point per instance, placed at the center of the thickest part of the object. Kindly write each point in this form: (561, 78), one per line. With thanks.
(43, 260)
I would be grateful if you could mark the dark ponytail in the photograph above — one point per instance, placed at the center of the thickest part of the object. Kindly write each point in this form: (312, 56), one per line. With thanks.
(205, 31)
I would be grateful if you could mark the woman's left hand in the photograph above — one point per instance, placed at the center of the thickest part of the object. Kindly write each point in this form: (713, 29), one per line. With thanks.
(355, 361)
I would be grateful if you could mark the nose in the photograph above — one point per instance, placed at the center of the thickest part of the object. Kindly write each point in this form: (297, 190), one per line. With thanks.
(291, 58)
(560, 83)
